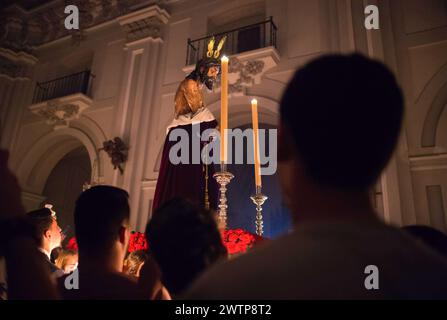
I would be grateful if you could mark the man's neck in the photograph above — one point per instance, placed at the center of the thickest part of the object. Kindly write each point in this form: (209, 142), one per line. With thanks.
(105, 263)
(45, 251)
(327, 205)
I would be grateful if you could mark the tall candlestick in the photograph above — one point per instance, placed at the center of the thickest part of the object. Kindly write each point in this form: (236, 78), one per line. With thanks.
(224, 110)
(254, 113)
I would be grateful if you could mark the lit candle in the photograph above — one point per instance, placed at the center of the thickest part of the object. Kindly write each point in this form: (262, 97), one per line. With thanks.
(224, 109)
(254, 114)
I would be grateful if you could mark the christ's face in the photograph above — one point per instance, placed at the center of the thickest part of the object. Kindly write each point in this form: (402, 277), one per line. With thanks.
(212, 72)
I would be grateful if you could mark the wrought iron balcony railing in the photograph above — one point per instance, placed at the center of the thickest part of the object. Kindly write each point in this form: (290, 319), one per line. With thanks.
(250, 37)
(63, 86)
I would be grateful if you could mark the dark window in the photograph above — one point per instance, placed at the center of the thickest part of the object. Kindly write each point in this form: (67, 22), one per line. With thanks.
(249, 39)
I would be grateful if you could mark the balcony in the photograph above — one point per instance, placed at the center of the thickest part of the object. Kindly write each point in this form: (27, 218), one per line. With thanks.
(247, 38)
(63, 86)
(252, 50)
(62, 100)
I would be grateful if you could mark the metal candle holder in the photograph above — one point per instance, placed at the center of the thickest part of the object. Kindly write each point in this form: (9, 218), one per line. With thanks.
(259, 199)
(223, 178)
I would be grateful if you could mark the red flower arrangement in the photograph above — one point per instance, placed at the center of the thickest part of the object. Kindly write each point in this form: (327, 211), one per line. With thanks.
(72, 244)
(137, 242)
(238, 240)
(235, 240)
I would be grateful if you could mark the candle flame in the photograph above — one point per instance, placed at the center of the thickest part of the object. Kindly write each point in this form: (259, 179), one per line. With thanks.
(224, 59)
(254, 101)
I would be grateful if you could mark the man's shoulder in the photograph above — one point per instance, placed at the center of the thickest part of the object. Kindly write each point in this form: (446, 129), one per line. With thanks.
(231, 279)
(54, 270)
(313, 262)
(97, 285)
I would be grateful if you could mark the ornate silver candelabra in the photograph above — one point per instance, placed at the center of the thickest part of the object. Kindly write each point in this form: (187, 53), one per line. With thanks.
(259, 199)
(223, 178)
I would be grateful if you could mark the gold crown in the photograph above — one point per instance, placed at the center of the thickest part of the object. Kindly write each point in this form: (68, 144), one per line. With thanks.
(215, 53)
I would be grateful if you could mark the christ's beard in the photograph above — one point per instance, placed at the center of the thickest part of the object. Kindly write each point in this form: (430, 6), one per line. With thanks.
(209, 83)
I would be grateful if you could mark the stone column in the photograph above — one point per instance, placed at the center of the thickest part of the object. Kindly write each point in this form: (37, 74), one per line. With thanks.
(395, 181)
(144, 30)
(16, 89)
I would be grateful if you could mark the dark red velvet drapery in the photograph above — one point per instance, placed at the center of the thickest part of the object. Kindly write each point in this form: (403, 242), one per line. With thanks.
(185, 180)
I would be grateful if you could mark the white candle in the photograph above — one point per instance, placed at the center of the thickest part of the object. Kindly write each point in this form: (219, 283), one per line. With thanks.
(224, 110)
(254, 114)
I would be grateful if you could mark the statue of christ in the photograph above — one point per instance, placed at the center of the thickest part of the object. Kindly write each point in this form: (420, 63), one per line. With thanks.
(190, 181)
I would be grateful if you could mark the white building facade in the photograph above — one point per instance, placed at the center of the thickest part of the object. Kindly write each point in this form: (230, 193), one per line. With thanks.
(65, 92)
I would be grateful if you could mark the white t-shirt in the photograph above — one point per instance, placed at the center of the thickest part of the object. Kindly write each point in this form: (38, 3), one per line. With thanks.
(328, 261)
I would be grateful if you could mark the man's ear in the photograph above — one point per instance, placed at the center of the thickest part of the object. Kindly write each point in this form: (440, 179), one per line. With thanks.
(47, 233)
(284, 142)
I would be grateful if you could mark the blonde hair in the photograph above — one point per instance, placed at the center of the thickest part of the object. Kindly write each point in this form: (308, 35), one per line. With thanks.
(134, 262)
(61, 260)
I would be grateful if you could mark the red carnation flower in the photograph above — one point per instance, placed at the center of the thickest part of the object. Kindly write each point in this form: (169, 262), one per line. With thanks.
(137, 241)
(238, 240)
(232, 248)
(72, 244)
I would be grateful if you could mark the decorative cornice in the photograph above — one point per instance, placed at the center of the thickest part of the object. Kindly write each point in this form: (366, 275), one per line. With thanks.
(18, 57)
(16, 65)
(22, 30)
(60, 112)
(147, 22)
(245, 73)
